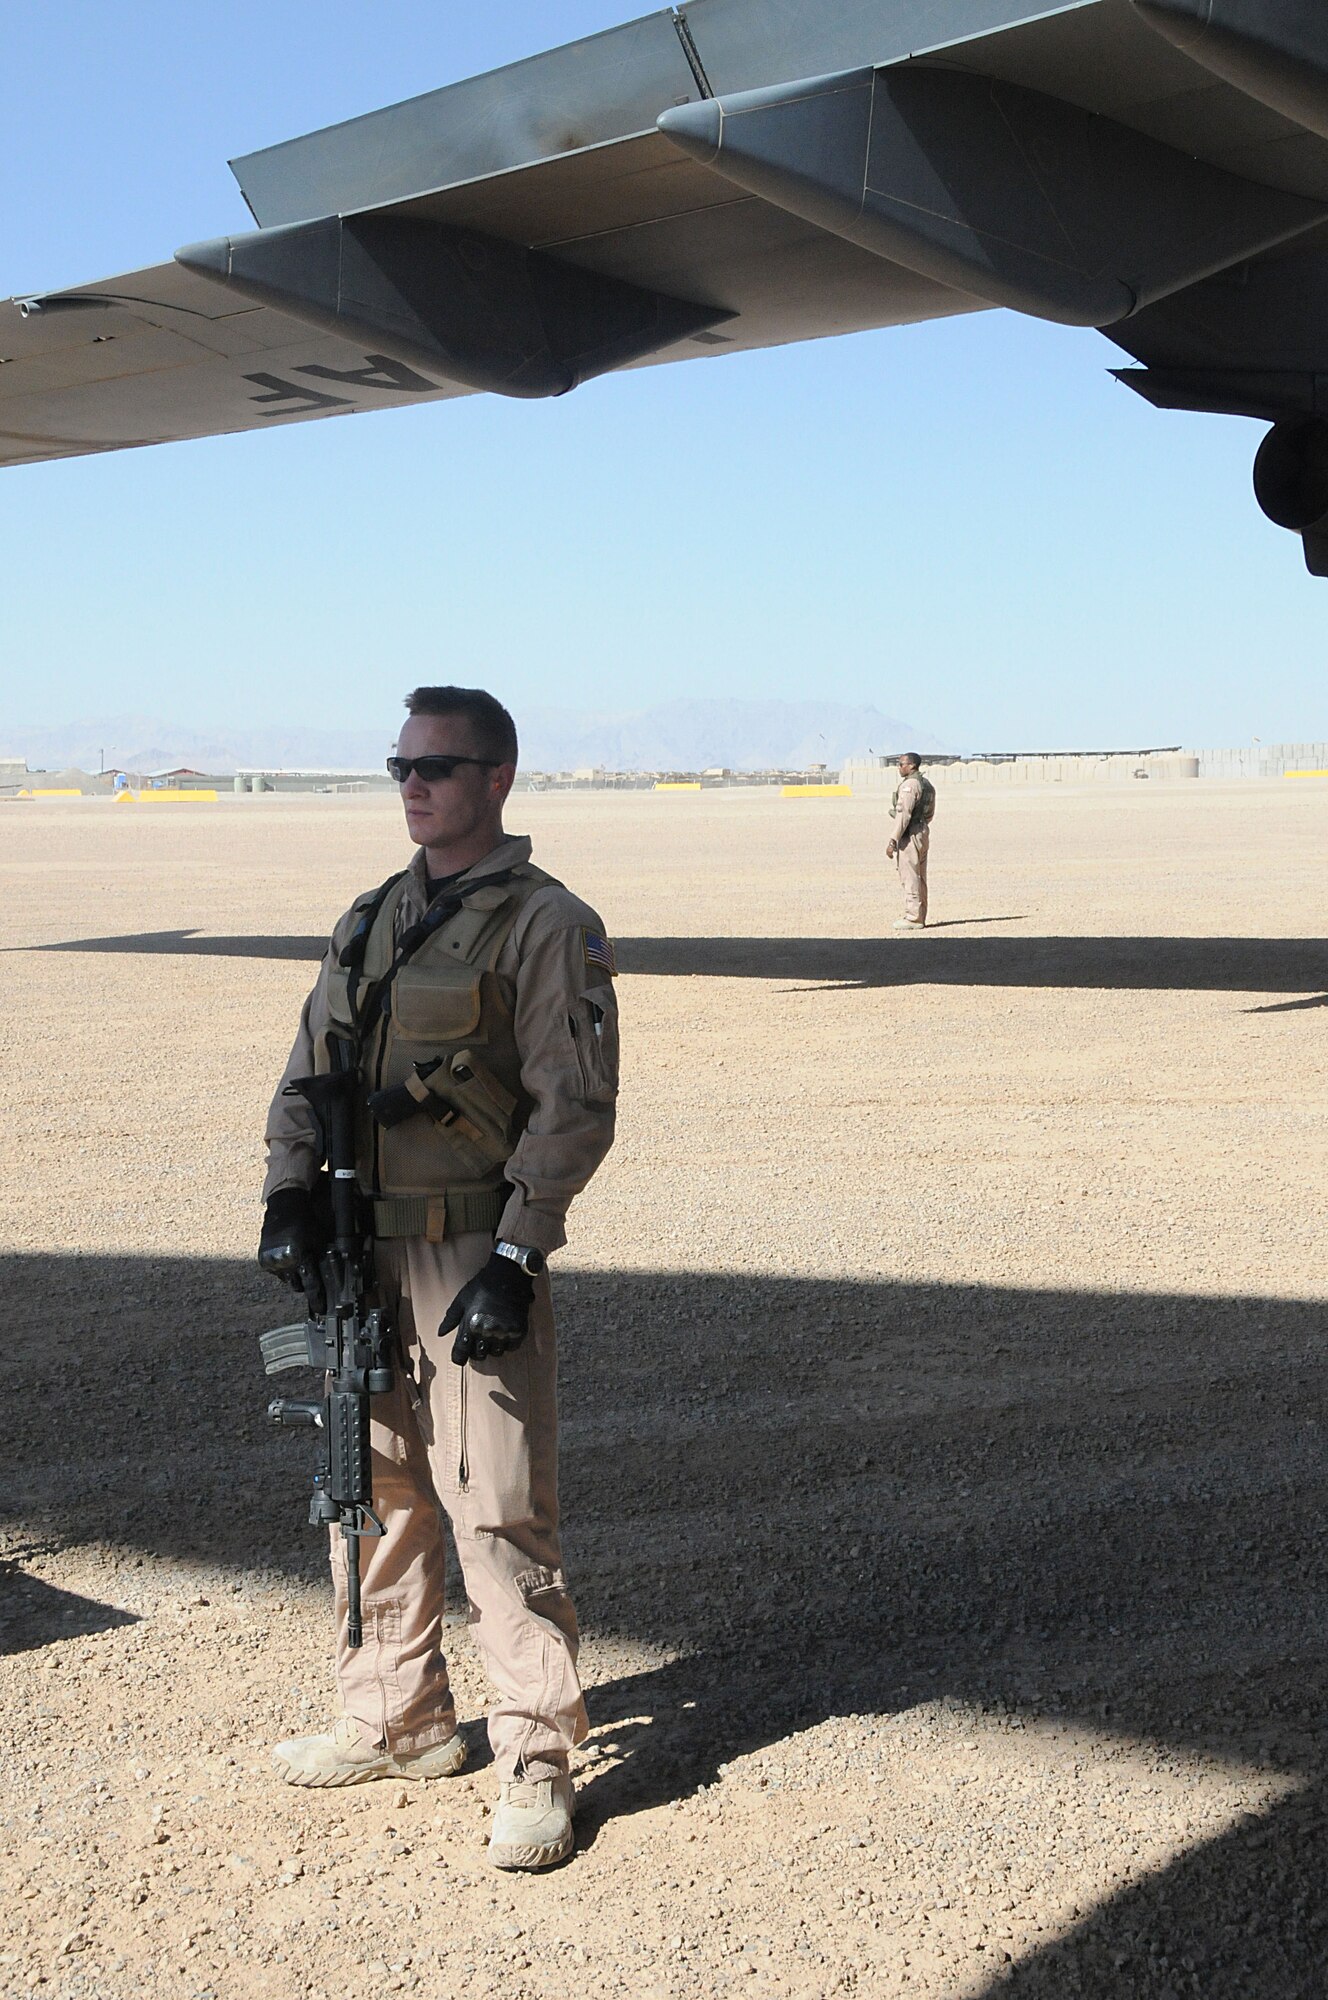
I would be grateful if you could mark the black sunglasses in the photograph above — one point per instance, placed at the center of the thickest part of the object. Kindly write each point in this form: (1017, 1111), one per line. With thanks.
(432, 769)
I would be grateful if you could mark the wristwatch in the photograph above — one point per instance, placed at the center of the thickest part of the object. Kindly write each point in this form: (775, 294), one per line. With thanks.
(530, 1261)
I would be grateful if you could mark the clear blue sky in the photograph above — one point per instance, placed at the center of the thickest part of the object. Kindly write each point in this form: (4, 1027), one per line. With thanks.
(968, 523)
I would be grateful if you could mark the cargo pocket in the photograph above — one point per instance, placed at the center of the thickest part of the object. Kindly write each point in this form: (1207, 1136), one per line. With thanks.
(594, 1027)
(492, 1470)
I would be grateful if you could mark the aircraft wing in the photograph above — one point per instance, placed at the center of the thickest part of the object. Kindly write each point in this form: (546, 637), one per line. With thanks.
(737, 173)
(276, 328)
(516, 232)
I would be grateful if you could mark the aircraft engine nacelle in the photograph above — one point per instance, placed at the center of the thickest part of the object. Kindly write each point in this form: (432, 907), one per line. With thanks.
(1291, 484)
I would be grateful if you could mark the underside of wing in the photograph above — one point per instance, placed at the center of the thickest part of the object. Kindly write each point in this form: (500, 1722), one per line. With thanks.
(735, 174)
(163, 354)
(524, 284)
(517, 232)
(1252, 339)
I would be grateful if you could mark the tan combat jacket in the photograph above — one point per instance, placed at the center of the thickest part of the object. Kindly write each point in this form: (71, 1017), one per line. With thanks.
(909, 794)
(565, 1022)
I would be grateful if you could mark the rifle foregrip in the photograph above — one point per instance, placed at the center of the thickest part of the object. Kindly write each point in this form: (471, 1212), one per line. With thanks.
(293, 1414)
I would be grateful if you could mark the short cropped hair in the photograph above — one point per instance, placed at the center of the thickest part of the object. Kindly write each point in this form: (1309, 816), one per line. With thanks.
(490, 725)
(911, 757)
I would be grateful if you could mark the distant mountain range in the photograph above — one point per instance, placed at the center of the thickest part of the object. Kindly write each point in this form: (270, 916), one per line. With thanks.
(671, 736)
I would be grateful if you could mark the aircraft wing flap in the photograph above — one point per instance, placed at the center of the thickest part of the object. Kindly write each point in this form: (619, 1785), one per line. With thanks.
(621, 185)
(601, 88)
(754, 44)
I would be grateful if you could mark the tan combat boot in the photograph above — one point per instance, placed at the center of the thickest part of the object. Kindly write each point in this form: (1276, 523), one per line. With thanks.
(345, 1758)
(532, 1823)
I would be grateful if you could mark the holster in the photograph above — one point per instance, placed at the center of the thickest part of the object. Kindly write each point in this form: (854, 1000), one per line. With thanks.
(460, 1092)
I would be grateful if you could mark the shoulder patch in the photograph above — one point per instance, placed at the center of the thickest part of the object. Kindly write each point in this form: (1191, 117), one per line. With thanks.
(598, 952)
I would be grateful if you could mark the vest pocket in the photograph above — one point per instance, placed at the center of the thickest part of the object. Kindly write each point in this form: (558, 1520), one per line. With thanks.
(428, 1011)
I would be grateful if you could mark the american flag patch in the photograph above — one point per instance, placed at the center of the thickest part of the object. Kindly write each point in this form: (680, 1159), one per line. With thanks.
(599, 952)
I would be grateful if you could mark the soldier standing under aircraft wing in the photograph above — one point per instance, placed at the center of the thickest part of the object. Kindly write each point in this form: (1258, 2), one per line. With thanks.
(912, 810)
(475, 993)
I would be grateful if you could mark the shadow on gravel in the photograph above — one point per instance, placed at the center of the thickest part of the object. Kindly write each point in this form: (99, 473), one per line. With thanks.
(827, 1499)
(1243, 1917)
(1291, 1006)
(190, 944)
(965, 923)
(33, 1612)
(1132, 964)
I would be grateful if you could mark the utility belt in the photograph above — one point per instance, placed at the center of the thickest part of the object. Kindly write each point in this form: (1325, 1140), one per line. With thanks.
(438, 1216)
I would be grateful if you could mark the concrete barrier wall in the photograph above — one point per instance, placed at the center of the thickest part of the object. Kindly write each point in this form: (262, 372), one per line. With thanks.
(1259, 760)
(873, 775)
(1263, 760)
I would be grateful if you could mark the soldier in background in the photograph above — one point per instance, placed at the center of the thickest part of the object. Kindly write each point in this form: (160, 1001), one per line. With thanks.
(912, 810)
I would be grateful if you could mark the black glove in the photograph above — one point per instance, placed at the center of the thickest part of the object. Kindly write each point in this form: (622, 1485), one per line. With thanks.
(293, 1239)
(491, 1313)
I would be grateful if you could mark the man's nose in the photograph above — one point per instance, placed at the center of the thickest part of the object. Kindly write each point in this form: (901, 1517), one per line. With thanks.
(414, 787)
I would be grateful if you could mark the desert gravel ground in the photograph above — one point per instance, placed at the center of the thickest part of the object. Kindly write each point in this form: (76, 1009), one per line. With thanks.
(944, 1417)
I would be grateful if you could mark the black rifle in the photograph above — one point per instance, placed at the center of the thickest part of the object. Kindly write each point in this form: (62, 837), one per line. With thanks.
(344, 1334)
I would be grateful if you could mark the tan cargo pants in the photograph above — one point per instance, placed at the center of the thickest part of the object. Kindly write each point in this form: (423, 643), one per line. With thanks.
(481, 1443)
(911, 862)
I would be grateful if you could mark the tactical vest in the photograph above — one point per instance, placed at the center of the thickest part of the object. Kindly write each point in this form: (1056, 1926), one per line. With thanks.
(442, 1107)
(924, 812)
